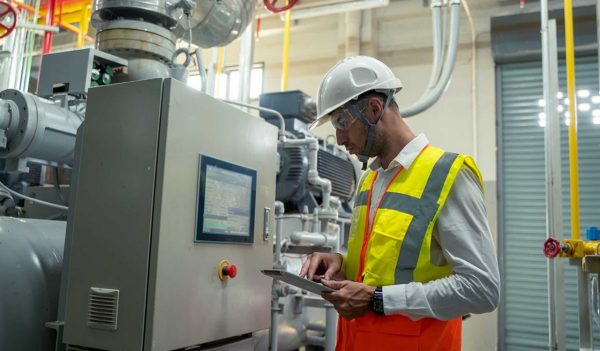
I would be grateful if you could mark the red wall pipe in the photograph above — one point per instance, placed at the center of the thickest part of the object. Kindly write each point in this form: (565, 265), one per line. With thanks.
(47, 46)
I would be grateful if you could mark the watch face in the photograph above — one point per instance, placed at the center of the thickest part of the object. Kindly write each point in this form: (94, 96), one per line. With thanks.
(377, 301)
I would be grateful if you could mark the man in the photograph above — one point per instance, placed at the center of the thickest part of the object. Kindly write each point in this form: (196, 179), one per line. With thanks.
(420, 254)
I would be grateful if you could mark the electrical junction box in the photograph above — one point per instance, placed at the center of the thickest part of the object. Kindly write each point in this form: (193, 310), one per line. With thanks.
(74, 72)
(147, 267)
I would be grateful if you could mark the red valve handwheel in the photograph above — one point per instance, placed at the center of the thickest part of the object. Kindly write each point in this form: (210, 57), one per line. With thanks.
(551, 247)
(8, 19)
(271, 5)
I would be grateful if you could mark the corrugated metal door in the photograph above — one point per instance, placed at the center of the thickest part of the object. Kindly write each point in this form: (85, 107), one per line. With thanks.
(522, 196)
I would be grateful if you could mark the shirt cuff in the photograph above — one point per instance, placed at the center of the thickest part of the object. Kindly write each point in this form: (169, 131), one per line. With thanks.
(394, 299)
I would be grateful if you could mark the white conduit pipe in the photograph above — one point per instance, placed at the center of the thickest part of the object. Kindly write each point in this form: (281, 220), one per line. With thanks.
(437, 92)
(268, 110)
(313, 238)
(203, 76)
(25, 197)
(438, 48)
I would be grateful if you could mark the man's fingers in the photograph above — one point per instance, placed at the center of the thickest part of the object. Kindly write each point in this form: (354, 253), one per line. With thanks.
(334, 284)
(315, 261)
(304, 269)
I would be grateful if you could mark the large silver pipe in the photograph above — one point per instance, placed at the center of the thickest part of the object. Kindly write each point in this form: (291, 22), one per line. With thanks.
(159, 12)
(218, 23)
(148, 47)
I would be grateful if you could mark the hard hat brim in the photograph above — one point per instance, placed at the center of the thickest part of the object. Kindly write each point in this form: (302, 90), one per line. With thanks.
(319, 122)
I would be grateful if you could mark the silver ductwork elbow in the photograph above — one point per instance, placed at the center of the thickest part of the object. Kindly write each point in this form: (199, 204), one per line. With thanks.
(217, 23)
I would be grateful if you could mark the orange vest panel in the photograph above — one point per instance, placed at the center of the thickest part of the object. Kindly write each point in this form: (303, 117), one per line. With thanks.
(381, 333)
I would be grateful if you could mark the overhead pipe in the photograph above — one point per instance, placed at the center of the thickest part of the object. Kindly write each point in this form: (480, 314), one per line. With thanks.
(474, 119)
(450, 60)
(268, 110)
(246, 62)
(66, 26)
(39, 27)
(47, 45)
(341, 7)
(30, 45)
(286, 50)
(438, 47)
(84, 22)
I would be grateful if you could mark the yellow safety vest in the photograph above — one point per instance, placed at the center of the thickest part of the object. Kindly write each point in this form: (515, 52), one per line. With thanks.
(397, 249)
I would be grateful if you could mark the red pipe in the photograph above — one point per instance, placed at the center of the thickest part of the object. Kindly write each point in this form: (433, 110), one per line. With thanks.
(47, 46)
(271, 5)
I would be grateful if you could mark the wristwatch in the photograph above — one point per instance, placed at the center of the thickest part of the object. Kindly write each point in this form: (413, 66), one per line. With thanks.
(377, 301)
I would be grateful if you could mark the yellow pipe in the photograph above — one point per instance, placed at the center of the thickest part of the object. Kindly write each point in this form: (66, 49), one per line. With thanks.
(573, 159)
(579, 248)
(85, 20)
(286, 50)
(219, 69)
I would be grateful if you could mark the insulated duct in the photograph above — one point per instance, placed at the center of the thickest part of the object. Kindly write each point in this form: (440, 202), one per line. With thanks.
(217, 23)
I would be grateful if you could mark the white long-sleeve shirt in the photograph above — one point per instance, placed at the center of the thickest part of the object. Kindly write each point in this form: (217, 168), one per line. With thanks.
(461, 238)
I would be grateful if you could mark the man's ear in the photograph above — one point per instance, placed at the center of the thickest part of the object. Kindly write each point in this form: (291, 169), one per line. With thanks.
(374, 108)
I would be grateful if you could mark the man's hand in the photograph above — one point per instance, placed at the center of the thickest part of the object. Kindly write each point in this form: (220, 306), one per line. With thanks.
(351, 299)
(322, 266)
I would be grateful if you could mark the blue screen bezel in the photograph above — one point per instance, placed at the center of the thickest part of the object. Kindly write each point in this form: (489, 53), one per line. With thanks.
(200, 235)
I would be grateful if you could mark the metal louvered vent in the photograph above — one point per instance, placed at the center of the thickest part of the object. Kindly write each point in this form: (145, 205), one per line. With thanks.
(103, 307)
(339, 171)
(296, 170)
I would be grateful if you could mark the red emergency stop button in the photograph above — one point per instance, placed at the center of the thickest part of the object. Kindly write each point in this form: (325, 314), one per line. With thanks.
(227, 270)
(230, 270)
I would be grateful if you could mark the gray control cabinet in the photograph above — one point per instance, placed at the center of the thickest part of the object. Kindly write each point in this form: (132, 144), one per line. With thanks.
(136, 278)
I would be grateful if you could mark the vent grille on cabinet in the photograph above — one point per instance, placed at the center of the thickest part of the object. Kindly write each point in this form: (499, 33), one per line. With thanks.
(103, 306)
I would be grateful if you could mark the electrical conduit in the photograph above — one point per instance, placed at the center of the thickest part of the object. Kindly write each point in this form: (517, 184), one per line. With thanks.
(437, 92)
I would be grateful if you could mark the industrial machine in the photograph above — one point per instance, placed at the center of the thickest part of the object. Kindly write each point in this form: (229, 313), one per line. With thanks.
(315, 187)
(176, 200)
(293, 186)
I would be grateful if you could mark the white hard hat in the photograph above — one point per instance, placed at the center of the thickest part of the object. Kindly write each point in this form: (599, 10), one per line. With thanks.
(350, 78)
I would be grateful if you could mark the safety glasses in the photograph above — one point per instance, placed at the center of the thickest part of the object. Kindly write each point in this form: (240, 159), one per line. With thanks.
(342, 119)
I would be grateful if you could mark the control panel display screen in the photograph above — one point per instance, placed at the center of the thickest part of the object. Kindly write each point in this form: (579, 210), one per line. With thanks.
(226, 201)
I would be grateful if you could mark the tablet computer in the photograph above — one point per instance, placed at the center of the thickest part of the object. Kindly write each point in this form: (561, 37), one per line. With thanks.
(298, 281)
